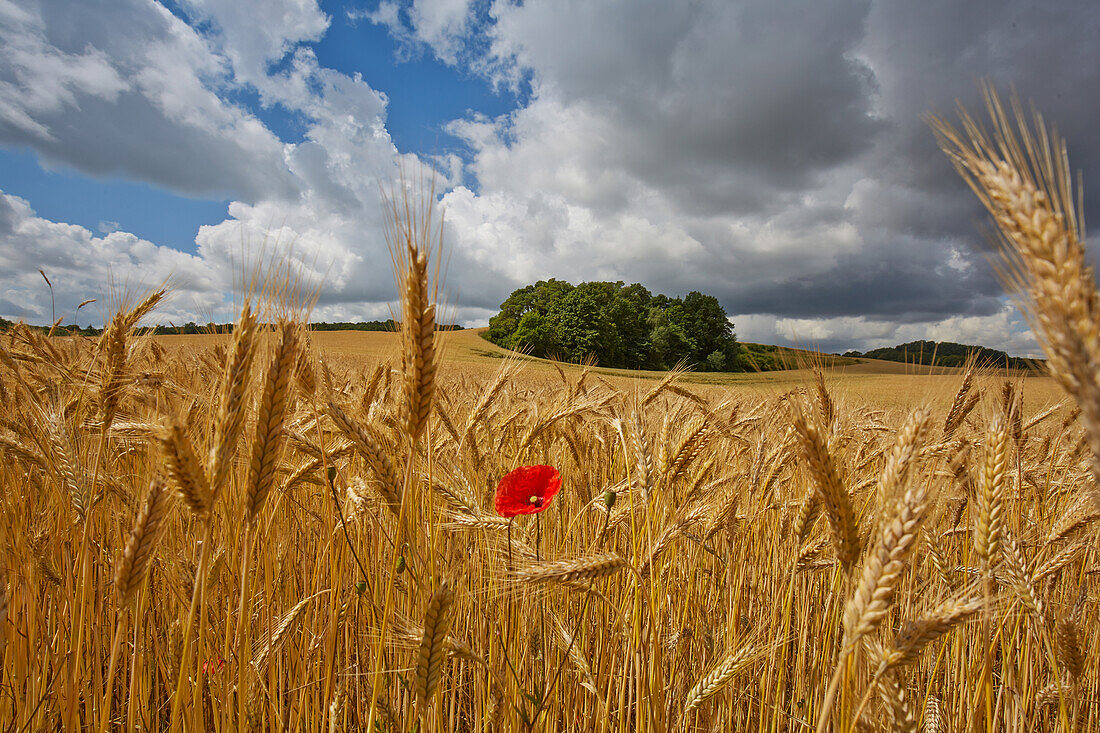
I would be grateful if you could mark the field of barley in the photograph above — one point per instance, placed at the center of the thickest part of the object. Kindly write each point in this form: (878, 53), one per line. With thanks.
(281, 530)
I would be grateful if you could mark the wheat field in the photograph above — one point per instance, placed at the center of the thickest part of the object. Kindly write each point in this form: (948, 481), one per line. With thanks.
(283, 530)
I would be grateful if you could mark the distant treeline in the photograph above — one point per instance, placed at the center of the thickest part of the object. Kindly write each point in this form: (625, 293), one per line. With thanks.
(944, 353)
(193, 328)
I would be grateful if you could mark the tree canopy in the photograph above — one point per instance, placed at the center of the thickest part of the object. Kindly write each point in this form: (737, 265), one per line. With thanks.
(616, 325)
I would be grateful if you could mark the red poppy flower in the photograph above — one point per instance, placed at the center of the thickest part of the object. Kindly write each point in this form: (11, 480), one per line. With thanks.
(527, 490)
(213, 665)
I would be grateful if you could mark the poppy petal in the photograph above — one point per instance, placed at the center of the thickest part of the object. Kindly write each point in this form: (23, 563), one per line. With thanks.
(527, 490)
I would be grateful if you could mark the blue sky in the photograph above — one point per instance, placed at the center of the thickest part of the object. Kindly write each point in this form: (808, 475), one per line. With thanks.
(424, 95)
(774, 154)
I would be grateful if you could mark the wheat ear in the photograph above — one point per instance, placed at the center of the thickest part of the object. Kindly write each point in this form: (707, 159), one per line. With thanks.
(1019, 579)
(1023, 179)
(12, 446)
(65, 463)
(114, 363)
(826, 408)
(564, 571)
(113, 344)
(874, 595)
(906, 448)
(990, 496)
(274, 404)
(834, 497)
(368, 447)
(234, 399)
(184, 469)
(961, 405)
(893, 694)
(933, 716)
(1070, 653)
(279, 635)
(437, 625)
(138, 554)
(914, 636)
(417, 319)
(712, 682)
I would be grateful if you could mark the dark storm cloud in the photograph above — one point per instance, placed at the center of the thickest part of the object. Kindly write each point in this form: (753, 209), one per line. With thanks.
(789, 141)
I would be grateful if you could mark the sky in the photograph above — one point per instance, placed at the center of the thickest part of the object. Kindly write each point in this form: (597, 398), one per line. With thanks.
(774, 154)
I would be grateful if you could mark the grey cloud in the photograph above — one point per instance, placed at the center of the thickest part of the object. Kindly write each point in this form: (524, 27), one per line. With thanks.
(124, 89)
(172, 153)
(754, 126)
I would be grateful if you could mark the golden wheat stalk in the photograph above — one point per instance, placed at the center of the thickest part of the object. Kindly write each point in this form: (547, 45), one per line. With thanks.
(233, 403)
(1073, 522)
(674, 530)
(409, 233)
(1019, 579)
(484, 522)
(962, 404)
(114, 348)
(712, 682)
(1023, 179)
(4, 602)
(990, 496)
(184, 469)
(893, 695)
(933, 716)
(484, 402)
(280, 633)
(114, 358)
(906, 448)
(12, 446)
(1070, 651)
(874, 595)
(914, 636)
(826, 409)
(1059, 560)
(68, 468)
(274, 404)
(429, 660)
(133, 566)
(564, 571)
(368, 447)
(830, 490)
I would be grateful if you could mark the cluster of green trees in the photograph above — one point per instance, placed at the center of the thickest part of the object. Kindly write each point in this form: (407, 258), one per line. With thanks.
(616, 325)
(944, 353)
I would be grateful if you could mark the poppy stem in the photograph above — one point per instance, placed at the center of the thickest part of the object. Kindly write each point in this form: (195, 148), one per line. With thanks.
(510, 566)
